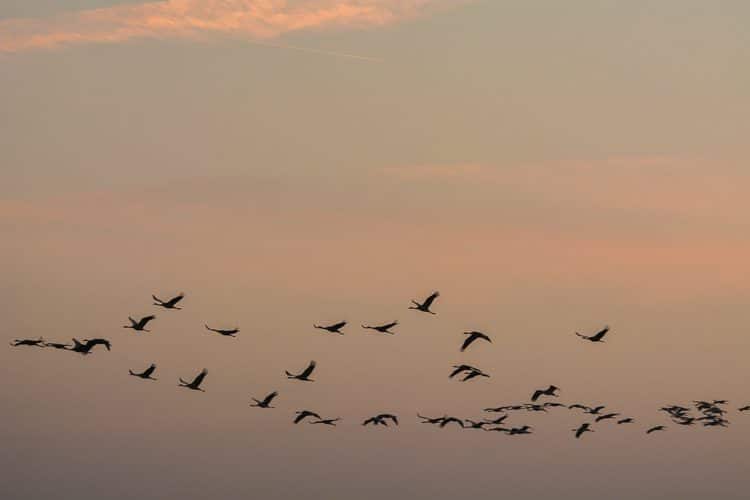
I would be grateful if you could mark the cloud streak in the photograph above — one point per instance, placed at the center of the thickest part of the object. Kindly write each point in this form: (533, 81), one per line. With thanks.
(197, 19)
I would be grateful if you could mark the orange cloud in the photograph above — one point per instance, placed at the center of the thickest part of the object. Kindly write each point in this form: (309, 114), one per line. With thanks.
(256, 19)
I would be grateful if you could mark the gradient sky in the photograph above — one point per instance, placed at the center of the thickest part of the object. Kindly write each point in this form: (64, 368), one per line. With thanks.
(548, 166)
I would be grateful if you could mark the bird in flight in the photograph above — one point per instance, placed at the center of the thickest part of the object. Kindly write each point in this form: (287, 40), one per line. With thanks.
(586, 427)
(474, 373)
(334, 328)
(30, 342)
(607, 416)
(266, 402)
(304, 375)
(386, 328)
(462, 368)
(597, 337)
(303, 414)
(447, 420)
(145, 374)
(549, 391)
(140, 325)
(57, 345)
(168, 304)
(627, 420)
(327, 421)
(381, 419)
(429, 420)
(519, 430)
(425, 306)
(226, 333)
(656, 428)
(86, 346)
(744, 408)
(196, 383)
(472, 336)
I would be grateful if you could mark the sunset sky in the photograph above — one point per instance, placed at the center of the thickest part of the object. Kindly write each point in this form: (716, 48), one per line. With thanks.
(549, 167)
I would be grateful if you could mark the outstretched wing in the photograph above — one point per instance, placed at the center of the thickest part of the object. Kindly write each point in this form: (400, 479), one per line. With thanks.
(270, 397)
(199, 379)
(148, 371)
(536, 395)
(308, 371)
(174, 300)
(600, 334)
(429, 300)
(471, 338)
(144, 320)
(336, 326)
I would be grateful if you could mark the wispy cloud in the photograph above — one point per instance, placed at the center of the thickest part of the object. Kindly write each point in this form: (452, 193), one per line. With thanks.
(196, 19)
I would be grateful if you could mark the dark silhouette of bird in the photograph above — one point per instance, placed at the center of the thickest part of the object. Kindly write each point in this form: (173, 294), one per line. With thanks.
(607, 416)
(425, 306)
(430, 420)
(327, 421)
(744, 408)
(462, 368)
(169, 304)
(303, 414)
(519, 430)
(656, 428)
(585, 427)
(473, 374)
(196, 383)
(386, 328)
(334, 328)
(627, 420)
(304, 375)
(472, 336)
(497, 421)
(597, 337)
(226, 333)
(448, 420)
(595, 410)
(145, 374)
(140, 325)
(266, 402)
(57, 345)
(578, 406)
(549, 391)
(84, 347)
(381, 419)
(29, 342)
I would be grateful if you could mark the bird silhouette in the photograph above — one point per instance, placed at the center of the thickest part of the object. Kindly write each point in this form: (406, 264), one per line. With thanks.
(448, 420)
(473, 424)
(425, 306)
(265, 402)
(226, 333)
(305, 374)
(140, 325)
(473, 374)
(744, 408)
(586, 427)
(303, 414)
(656, 428)
(169, 304)
(386, 328)
(327, 421)
(334, 328)
(28, 342)
(462, 368)
(196, 383)
(549, 391)
(84, 347)
(145, 374)
(472, 336)
(597, 337)
(430, 420)
(381, 419)
(607, 416)
(627, 420)
(57, 345)
(519, 430)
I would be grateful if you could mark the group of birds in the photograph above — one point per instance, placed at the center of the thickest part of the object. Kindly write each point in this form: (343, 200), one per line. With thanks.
(712, 412)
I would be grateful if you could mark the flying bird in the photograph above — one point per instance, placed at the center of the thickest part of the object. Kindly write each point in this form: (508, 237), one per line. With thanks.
(448, 420)
(474, 373)
(327, 421)
(305, 374)
(586, 427)
(56, 345)
(656, 428)
(425, 306)
(303, 414)
(549, 391)
(519, 430)
(462, 368)
(627, 420)
(196, 383)
(608, 416)
(84, 347)
(169, 304)
(30, 342)
(597, 337)
(472, 336)
(429, 420)
(381, 419)
(140, 325)
(266, 402)
(145, 374)
(226, 333)
(334, 328)
(386, 328)
(744, 408)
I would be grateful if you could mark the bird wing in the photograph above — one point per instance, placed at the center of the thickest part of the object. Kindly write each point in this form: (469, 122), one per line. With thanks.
(270, 397)
(471, 338)
(157, 299)
(149, 370)
(175, 300)
(429, 300)
(600, 334)
(389, 325)
(199, 378)
(308, 371)
(144, 320)
(536, 394)
(336, 326)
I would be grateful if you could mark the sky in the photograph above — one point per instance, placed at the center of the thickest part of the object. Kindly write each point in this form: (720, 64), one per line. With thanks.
(549, 167)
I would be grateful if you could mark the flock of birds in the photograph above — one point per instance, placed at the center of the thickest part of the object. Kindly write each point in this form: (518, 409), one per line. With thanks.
(709, 413)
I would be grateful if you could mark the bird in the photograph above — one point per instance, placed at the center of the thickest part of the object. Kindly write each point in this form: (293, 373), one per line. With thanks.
(304, 375)
(627, 420)
(549, 391)
(606, 416)
(327, 421)
(425, 306)
(386, 328)
(381, 419)
(334, 328)
(303, 414)
(140, 325)
(519, 430)
(497, 421)
(656, 428)
(448, 420)
(84, 347)
(595, 410)
(169, 304)
(145, 374)
(462, 368)
(597, 337)
(472, 336)
(266, 402)
(429, 420)
(196, 383)
(586, 427)
(744, 408)
(29, 342)
(56, 345)
(474, 373)
(226, 333)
